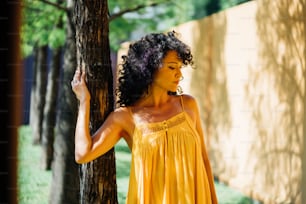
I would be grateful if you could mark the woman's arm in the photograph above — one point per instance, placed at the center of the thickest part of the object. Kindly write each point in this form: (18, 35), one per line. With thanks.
(194, 106)
(87, 147)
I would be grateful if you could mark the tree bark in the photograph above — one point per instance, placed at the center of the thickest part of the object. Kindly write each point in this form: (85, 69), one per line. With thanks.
(50, 111)
(39, 94)
(33, 111)
(97, 178)
(65, 177)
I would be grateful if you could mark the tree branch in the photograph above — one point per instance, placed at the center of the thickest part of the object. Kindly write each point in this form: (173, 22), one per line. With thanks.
(55, 5)
(120, 13)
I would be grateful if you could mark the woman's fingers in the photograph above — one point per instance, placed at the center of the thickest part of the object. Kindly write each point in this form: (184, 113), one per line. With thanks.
(77, 75)
(76, 78)
(79, 86)
(83, 76)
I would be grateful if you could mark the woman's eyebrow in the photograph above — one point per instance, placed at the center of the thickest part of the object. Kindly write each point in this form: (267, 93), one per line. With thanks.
(171, 62)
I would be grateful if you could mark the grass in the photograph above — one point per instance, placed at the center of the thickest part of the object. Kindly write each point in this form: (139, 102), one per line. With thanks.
(34, 183)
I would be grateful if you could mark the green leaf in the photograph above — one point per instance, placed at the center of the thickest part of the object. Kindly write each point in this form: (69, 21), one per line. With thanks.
(56, 38)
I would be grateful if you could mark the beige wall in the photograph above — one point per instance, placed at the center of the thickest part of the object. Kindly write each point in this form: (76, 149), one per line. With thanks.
(250, 84)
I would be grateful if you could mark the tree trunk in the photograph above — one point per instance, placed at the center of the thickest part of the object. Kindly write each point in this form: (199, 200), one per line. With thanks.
(33, 111)
(50, 111)
(97, 178)
(50, 107)
(39, 101)
(65, 178)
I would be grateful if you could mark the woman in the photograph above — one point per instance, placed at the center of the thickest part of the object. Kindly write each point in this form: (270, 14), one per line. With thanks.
(163, 129)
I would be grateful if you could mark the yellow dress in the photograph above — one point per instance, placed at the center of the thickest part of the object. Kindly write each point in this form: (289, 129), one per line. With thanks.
(167, 165)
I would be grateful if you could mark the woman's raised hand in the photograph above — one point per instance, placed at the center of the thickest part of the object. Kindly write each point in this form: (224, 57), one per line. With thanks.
(79, 87)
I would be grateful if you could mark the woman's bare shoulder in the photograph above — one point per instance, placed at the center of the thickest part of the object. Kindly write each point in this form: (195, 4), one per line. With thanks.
(191, 107)
(189, 101)
(122, 114)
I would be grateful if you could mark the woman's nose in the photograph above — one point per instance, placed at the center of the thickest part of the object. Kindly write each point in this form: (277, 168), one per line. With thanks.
(178, 74)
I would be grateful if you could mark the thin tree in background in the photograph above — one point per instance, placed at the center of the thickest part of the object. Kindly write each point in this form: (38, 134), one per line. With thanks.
(49, 114)
(39, 89)
(49, 111)
(65, 177)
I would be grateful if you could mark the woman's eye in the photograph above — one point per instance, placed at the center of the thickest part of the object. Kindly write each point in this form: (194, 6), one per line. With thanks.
(171, 67)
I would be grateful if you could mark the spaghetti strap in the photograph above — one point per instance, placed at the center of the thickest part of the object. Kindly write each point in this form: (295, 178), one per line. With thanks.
(182, 102)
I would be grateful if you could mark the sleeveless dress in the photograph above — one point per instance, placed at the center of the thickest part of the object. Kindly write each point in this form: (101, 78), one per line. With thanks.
(167, 165)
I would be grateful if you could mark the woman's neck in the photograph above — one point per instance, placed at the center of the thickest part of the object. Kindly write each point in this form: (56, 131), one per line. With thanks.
(154, 99)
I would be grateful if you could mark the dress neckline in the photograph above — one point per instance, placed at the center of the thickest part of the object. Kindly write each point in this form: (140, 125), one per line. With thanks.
(170, 119)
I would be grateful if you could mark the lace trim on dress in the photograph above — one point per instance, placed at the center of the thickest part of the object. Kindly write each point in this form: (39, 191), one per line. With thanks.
(148, 128)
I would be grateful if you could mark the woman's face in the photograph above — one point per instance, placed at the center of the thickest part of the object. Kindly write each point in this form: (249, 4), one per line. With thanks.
(168, 76)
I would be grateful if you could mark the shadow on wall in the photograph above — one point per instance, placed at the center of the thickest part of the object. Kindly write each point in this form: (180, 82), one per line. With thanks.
(276, 94)
(209, 82)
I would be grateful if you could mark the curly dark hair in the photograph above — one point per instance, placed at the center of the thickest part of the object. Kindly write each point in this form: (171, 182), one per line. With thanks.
(144, 57)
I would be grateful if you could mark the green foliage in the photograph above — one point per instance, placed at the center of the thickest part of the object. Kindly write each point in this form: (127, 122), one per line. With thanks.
(41, 20)
(156, 18)
(41, 25)
(56, 38)
(119, 31)
(230, 3)
(204, 8)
